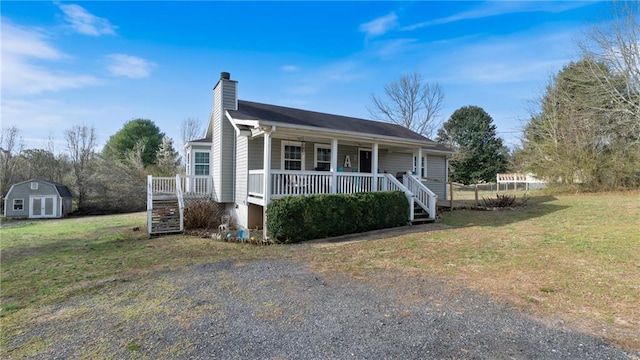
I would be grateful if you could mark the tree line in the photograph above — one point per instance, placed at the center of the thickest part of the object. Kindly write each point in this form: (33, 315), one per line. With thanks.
(583, 132)
(108, 181)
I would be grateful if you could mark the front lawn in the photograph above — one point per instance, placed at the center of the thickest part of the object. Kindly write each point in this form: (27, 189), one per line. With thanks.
(572, 260)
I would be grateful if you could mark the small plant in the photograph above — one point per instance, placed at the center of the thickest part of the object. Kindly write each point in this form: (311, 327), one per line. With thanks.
(11, 307)
(133, 347)
(500, 201)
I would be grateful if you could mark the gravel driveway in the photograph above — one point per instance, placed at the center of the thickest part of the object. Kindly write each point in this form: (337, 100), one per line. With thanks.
(278, 309)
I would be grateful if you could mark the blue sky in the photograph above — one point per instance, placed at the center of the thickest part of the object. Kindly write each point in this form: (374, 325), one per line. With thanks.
(104, 63)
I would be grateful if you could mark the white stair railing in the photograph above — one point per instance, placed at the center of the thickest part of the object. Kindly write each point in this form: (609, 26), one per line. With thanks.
(388, 182)
(180, 196)
(149, 203)
(424, 197)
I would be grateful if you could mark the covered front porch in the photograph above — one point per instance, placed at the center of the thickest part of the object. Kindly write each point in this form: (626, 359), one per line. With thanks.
(287, 162)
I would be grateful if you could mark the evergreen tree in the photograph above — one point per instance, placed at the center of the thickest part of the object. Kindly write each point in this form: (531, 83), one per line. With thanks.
(167, 159)
(132, 134)
(480, 153)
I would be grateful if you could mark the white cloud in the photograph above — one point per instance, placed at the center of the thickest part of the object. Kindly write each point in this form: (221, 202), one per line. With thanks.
(496, 8)
(289, 68)
(510, 59)
(380, 25)
(502, 72)
(23, 51)
(19, 41)
(391, 48)
(86, 23)
(129, 66)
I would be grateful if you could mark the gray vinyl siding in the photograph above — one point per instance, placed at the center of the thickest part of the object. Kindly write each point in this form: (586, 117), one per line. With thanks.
(395, 162)
(256, 154)
(242, 169)
(216, 169)
(224, 139)
(227, 168)
(276, 152)
(436, 170)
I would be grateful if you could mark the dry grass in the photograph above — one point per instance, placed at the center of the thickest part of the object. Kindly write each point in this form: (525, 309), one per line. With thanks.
(570, 259)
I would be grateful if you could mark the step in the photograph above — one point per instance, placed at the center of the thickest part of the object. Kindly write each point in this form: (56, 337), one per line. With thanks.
(422, 221)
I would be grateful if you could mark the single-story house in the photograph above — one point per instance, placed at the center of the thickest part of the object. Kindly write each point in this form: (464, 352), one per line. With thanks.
(252, 153)
(35, 199)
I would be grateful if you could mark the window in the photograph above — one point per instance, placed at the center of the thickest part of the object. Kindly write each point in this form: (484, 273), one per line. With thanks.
(201, 163)
(34, 186)
(18, 204)
(423, 166)
(292, 156)
(323, 157)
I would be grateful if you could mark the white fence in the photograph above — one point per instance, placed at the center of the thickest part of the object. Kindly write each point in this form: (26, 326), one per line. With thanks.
(513, 180)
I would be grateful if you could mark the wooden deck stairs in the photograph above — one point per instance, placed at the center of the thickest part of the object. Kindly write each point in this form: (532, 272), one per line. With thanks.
(165, 208)
(166, 215)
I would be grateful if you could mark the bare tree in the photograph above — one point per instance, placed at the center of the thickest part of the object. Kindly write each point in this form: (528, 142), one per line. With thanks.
(410, 101)
(616, 44)
(10, 147)
(134, 157)
(81, 145)
(190, 129)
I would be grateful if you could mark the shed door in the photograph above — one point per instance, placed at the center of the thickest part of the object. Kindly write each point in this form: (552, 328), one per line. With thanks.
(42, 206)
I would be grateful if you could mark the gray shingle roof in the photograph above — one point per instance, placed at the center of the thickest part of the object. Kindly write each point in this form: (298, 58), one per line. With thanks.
(62, 189)
(203, 140)
(248, 110)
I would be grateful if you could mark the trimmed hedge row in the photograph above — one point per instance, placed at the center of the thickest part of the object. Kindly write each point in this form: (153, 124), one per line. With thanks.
(299, 218)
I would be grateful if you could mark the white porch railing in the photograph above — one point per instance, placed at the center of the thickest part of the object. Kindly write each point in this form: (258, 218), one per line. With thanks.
(351, 183)
(255, 187)
(161, 185)
(285, 183)
(197, 186)
(189, 185)
(423, 196)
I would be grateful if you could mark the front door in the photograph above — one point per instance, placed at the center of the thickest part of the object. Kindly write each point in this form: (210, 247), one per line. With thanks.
(365, 161)
(42, 206)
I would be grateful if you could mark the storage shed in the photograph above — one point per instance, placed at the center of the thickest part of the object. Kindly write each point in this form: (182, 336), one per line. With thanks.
(36, 199)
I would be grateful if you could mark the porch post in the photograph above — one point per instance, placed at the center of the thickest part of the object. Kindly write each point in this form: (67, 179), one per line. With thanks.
(334, 166)
(266, 184)
(419, 163)
(374, 167)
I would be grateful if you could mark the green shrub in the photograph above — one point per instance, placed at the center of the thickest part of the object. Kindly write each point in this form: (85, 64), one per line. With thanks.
(300, 218)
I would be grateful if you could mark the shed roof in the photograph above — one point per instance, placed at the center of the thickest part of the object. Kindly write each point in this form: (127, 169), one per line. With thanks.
(62, 189)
